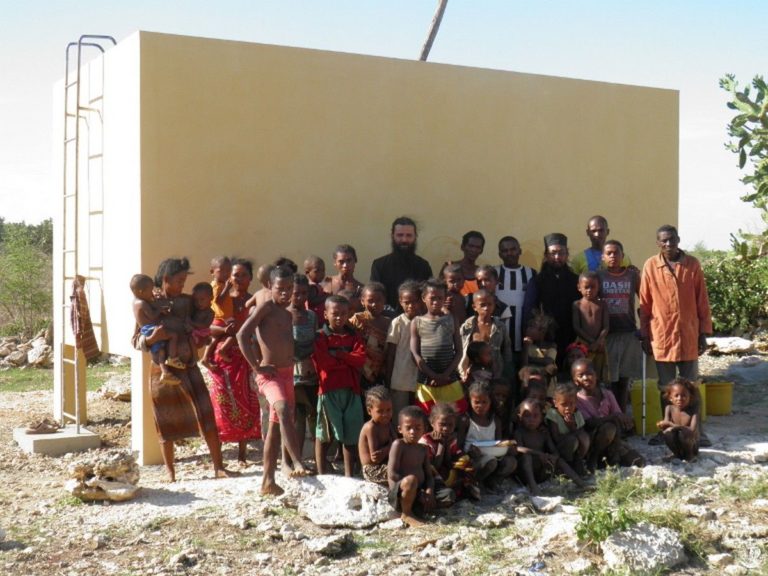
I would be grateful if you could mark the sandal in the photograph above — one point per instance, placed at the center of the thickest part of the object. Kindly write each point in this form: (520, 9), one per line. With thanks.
(45, 426)
(175, 363)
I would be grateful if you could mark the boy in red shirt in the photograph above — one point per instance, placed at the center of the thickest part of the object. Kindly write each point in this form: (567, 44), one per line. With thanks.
(339, 356)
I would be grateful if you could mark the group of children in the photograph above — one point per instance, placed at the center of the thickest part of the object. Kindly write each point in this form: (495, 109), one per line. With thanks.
(451, 406)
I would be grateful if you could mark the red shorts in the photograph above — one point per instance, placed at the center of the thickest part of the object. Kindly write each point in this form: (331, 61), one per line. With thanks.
(277, 387)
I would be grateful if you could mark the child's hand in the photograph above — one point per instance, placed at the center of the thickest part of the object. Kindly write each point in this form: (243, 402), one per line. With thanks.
(662, 424)
(441, 380)
(378, 456)
(549, 460)
(528, 340)
(627, 422)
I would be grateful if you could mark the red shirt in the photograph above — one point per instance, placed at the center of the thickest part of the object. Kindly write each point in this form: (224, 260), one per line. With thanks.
(338, 359)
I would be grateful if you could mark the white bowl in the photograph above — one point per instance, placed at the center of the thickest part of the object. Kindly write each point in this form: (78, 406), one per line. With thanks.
(491, 448)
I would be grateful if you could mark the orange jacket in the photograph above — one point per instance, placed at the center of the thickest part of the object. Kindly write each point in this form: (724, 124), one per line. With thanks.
(674, 308)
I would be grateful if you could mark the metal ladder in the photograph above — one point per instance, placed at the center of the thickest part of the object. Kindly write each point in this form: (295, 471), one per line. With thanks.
(90, 114)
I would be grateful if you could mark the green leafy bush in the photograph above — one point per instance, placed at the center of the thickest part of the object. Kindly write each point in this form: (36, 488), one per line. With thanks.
(738, 291)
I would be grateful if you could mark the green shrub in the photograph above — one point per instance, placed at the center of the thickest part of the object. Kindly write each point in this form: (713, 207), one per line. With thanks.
(738, 291)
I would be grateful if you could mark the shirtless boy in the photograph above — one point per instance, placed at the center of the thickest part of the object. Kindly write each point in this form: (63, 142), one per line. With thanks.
(410, 475)
(377, 435)
(344, 260)
(591, 321)
(273, 364)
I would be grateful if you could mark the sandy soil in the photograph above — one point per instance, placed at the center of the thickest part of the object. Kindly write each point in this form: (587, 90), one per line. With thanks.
(202, 525)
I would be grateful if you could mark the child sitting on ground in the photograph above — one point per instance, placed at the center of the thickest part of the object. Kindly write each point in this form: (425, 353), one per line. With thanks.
(401, 370)
(604, 420)
(148, 316)
(680, 426)
(451, 467)
(223, 312)
(436, 349)
(479, 358)
(202, 315)
(483, 425)
(339, 356)
(314, 268)
(590, 322)
(411, 485)
(455, 301)
(536, 450)
(376, 435)
(539, 348)
(566, 426)
(502, 405)
(373, 326)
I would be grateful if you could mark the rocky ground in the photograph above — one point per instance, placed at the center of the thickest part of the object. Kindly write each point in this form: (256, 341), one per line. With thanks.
(716, 507)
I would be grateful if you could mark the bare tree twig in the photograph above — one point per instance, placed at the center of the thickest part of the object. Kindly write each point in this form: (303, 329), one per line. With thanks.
(433, 29)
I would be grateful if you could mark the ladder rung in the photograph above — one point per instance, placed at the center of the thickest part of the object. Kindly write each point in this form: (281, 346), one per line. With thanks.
(67, 361)
(95, 267)
(68, 140)
(96, 99)
(88, 108)
(69, 251)
(95, 156)
(73, 83)
(69, 196)
(96, 212)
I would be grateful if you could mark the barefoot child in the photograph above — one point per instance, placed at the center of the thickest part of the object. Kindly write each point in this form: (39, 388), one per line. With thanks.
(566, 426)
(401, 370)
(373, 326)
(537, 452)
(436, 349)
(345, 261)
(591, 321)
(202, 315)
(263, 294)
(223, 311)
(304, 374)
(604, 420)
(680, 426)
(483, 425)
(339, 356)
(620, 286)
(455, 301)
(273, 364)
(411, 485)
(539, 348)
(148, 316)
(314, 268)
(485, 327)
(451, 467)
(377, 435)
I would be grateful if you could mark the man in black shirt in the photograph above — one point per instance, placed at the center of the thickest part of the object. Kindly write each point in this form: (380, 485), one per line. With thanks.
(402, 263)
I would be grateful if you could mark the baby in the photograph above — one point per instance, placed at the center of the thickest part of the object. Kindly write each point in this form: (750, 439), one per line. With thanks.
(202, 315)
(376, 435)
(148, 317)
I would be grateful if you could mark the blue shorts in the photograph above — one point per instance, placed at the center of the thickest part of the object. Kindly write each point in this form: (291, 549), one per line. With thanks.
(147, 330)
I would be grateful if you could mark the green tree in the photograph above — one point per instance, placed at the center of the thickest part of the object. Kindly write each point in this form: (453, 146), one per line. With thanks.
(749, 139)
(25, 279)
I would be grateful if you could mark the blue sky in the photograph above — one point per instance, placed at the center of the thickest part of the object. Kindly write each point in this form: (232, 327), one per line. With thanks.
(682, 45)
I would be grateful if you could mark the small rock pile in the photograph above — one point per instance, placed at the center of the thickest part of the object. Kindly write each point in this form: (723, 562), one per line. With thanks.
(37, 352)
(104, 475)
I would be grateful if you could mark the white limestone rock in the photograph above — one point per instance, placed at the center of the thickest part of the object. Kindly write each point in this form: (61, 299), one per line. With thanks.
(40, 355)
(338, 501)
(644, 548)
(492, 520)
(730, 345)
(720, 560)
(16, 358)
(104, 475)
(117, 388)
(546, 504)
(330, 545)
